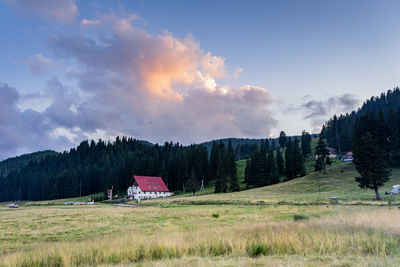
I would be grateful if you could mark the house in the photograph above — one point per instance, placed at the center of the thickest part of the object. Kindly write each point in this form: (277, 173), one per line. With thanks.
(348, 157)
(145, 187)
(332, 152)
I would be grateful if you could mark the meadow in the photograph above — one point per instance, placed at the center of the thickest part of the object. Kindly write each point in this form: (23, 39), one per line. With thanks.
(288, 224)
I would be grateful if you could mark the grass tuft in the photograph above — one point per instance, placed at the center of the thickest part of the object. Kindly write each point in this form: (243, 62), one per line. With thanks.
(300, 217)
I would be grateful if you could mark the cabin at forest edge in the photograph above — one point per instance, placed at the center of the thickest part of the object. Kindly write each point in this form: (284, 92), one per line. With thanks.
(145, 187)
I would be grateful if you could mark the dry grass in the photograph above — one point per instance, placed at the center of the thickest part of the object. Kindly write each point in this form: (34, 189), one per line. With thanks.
(184, 235)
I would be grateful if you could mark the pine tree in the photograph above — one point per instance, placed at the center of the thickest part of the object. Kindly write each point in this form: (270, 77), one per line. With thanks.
(246, 173)
(214, 160)
(221, 183)
(273, 170)
(280, 162)
(298, 159)
(305, 143)
(289, 161)
(282, 139)
(321, 154)
(233, 183)
(371, 164)
(267, 145)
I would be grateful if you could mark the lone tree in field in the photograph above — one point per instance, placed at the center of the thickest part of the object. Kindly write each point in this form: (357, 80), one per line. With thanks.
(371, 164)
(321, 154)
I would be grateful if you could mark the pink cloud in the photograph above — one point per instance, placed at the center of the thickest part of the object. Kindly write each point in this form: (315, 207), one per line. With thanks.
(159, 87)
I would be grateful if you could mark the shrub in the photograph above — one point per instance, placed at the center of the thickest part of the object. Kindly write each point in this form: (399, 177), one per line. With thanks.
(256, 250)
(215, 215)
(299, 217)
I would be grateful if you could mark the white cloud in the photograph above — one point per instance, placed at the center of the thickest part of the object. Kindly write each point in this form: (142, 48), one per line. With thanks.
(88, 22)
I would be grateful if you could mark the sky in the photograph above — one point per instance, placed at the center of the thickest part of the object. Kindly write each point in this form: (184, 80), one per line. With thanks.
(187, 71)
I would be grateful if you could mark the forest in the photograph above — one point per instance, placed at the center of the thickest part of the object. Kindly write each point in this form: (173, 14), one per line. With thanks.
(338, 131)
(94, 167)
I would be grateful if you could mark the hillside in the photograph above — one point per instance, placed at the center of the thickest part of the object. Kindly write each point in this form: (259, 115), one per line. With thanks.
(19, 162)
(312, 188)
(339, 130)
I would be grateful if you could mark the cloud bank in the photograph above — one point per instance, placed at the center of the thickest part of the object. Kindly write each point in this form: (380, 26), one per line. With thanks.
(129, 82)
(23, 131)
(318, 112)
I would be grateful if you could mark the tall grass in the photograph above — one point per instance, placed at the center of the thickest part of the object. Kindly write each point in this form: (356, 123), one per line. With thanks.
(373, 233)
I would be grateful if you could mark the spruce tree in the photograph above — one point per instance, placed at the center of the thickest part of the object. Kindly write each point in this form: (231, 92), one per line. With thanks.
(282, 139)
(289, 161)
(214, 160)
(321, 154)
(280, 162)
(371, 164)
(231, 169)
(273, 170)
(306, 143)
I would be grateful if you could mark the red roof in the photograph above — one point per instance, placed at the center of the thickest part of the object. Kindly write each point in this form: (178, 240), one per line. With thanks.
(148, 183)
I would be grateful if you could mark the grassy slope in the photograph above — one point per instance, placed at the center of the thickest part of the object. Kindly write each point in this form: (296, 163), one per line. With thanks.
(313, 188)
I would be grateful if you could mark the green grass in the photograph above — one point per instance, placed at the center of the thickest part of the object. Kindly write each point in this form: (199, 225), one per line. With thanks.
(314, 188)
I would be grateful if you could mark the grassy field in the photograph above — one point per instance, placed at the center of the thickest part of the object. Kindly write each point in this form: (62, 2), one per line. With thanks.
(203, 235)
(288, 224)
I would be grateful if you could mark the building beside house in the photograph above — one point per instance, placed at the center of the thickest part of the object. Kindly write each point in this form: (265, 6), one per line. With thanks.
(146, 187)
(348, 156)
(332, 152)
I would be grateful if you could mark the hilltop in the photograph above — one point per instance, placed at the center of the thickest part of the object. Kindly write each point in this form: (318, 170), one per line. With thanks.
(20, 162)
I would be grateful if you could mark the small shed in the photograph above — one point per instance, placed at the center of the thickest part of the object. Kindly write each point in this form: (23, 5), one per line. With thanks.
(332, 152)
(396, 190)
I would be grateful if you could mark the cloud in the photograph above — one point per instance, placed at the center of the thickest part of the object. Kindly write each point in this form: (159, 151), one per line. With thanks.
(88, 22)
(53, 10)
(129, 82)
(37, 64)
(319, 111)
(159, 87)
(23, 131)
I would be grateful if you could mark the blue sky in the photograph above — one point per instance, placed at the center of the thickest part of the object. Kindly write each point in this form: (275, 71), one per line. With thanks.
(187, 71)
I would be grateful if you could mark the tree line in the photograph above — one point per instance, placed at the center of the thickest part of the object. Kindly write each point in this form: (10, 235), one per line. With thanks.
(94, 167)
(268, 164)
(338, 131)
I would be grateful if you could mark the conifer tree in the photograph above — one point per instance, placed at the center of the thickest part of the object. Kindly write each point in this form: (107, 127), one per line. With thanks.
(273, 170)
(305, 143)
(280, 162)
(298, 162)
(371, 164)
(231, 169)
(282, 139)
(289, 161)
(321, 154)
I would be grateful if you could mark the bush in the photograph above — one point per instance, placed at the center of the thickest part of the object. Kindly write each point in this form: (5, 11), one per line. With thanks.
(215, 215)
(299, 217)
(256, 250)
